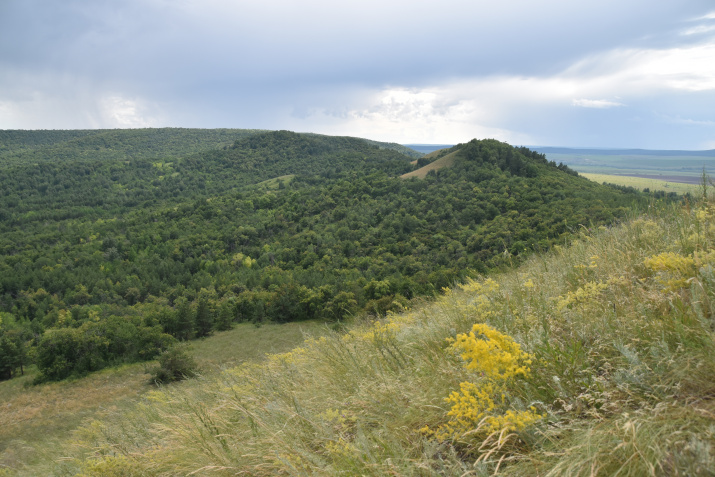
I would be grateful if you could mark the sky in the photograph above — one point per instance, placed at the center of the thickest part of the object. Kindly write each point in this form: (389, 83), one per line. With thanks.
(587, 73)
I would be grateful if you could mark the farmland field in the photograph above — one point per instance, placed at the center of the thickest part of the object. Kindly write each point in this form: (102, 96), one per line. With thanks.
(642, 183)
(670, 166)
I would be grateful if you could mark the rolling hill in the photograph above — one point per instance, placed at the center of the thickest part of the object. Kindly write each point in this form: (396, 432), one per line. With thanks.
(113, 259)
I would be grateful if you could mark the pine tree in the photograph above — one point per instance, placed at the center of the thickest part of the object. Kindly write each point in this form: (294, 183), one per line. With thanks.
(204, 318)
(224, 320)
(184, 320)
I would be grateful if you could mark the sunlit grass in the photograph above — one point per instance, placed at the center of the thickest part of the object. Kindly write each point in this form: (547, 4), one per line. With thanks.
(421, 173)
(641, 183)
(247, 342)
(34, 419)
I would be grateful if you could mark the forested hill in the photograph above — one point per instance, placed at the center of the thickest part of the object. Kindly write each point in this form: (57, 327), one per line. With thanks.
(79, 183)
(108, 144)
(95, 144)
(104, 260)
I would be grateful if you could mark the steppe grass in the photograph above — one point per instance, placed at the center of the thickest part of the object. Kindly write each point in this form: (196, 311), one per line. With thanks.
(610, 341)
(421, 173)
(36, 422)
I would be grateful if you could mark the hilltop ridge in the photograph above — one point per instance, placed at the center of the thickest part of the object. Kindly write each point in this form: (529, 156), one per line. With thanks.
(517, 161)
(107, 144)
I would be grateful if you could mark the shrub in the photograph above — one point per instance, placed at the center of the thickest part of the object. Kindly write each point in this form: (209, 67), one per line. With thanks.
(175, 364)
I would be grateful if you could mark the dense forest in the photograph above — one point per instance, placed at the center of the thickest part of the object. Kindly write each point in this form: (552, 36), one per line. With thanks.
(116, 244)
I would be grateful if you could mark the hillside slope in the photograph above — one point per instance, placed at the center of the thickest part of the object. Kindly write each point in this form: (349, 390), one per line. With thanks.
(612, 374)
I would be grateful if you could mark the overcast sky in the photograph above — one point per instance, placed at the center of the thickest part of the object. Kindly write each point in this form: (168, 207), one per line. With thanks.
(586, 73)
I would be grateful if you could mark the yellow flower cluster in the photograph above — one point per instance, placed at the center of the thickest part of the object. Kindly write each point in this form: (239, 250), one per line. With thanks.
(375, 333)
(496, 356)
(469, 407)
(475, 413)
(674, 271)
(380, 331)
(485, 287)
(588, 293)
(513, 421)
(671, 262)
(341, 448)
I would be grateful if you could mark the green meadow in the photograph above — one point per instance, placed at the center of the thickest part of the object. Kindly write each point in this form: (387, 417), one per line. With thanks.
(37, 422)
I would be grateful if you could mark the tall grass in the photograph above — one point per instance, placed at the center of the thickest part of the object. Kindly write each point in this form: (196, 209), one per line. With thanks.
(618, 326)
(35, 421)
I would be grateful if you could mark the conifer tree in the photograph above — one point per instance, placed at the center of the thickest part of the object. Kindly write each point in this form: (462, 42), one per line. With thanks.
(184, 320)
(204, 317)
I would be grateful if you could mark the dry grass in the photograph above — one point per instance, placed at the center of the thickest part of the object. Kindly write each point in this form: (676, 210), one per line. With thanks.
(33, 419)
(421, 173)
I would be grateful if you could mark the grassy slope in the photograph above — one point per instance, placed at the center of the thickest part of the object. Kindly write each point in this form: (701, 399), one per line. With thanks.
(421, 173)
(36, 421)
(272, 184)
(620, 327)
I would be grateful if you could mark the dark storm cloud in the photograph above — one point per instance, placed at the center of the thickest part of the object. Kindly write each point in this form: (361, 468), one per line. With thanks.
(319, 64)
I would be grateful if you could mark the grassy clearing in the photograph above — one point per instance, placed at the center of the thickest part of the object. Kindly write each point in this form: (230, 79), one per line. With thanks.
(421, 173)
(644, 183)
(247, 342)
(275, 183)
(36, 421)
(594, 359)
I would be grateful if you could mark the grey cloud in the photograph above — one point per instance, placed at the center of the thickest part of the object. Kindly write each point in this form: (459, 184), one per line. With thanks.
(267, 64)
(155, 40)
